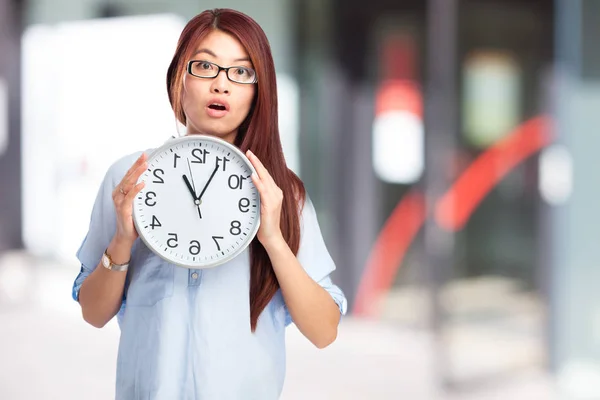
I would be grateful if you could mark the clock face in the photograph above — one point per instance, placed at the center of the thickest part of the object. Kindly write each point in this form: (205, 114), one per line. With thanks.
(199, 207)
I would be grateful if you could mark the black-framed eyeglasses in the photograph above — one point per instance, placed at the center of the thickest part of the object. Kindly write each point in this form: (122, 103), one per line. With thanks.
(207, 69)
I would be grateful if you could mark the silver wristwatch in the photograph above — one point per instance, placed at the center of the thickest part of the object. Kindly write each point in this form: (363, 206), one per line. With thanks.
(109, 264)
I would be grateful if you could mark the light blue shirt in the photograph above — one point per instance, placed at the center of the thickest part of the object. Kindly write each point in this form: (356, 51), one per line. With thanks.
(185, 334)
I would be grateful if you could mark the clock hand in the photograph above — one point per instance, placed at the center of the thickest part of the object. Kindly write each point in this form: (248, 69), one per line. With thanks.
(207, 183)
(193, 193)
(197, 201)
(189, 186)
(191, 175)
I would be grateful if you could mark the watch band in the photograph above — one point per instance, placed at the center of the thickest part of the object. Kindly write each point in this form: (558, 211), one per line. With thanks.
(108, 263)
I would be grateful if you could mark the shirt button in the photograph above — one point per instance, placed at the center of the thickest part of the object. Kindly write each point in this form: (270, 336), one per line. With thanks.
(195, 275)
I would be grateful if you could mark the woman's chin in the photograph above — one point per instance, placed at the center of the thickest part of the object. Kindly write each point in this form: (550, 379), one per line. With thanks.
(225, 134)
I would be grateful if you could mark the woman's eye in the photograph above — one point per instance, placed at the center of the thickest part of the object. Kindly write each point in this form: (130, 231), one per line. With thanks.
(205, 65)
(241, 71)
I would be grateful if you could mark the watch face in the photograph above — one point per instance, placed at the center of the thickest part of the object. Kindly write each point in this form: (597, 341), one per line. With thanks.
(105, 261)
(199, 207)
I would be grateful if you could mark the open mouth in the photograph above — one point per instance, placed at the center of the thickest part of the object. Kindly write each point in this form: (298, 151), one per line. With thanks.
(218, 107)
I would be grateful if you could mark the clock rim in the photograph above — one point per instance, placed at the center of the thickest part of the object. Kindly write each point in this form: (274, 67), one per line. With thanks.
(170, 143)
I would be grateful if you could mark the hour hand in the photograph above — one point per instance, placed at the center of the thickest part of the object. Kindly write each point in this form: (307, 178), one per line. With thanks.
(193, 193)
(190, 188)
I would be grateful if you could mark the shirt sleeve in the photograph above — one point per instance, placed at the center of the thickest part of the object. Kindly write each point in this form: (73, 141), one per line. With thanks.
(102, 224)
(315, 258)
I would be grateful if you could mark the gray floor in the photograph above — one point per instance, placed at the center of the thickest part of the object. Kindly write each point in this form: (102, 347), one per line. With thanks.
(48, 352)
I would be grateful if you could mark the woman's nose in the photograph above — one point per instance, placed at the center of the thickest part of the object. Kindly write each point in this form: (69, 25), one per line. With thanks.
(221, 83)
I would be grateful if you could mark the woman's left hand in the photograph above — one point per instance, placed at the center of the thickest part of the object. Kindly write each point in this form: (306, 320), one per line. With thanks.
(271, 199)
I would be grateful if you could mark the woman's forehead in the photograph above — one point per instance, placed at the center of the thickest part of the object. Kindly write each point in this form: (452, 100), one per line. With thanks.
(221, 46)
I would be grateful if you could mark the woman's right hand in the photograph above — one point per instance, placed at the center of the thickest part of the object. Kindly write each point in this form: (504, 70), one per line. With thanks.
(123, 197)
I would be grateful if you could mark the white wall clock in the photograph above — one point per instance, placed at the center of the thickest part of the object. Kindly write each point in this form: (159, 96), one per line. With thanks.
(199, 207)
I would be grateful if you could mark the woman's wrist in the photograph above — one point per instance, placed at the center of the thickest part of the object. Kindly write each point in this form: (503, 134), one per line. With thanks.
(119, 250)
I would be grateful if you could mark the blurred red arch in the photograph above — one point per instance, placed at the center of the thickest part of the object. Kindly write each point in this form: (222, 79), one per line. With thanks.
(452, 211)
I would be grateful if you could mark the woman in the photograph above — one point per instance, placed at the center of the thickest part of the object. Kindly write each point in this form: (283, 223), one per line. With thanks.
(217, 333)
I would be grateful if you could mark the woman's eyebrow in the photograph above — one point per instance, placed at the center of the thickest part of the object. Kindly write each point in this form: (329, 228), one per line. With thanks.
(211, 53)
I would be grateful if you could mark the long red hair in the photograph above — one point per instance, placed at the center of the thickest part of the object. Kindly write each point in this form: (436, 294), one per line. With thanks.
(259, 132)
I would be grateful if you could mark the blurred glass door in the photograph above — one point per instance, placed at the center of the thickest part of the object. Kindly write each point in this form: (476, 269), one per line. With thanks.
(493, 305)
(363, 74)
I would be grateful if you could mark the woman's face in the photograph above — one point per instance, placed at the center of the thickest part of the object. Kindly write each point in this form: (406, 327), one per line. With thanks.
(217, 106)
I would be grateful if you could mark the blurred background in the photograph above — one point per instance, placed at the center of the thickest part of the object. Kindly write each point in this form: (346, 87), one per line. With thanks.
(448, 146)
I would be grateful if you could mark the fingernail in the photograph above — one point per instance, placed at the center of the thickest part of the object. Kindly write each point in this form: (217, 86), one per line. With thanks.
(250, 153)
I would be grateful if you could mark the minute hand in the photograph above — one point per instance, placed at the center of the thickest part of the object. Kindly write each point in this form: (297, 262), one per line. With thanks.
(209, 179)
